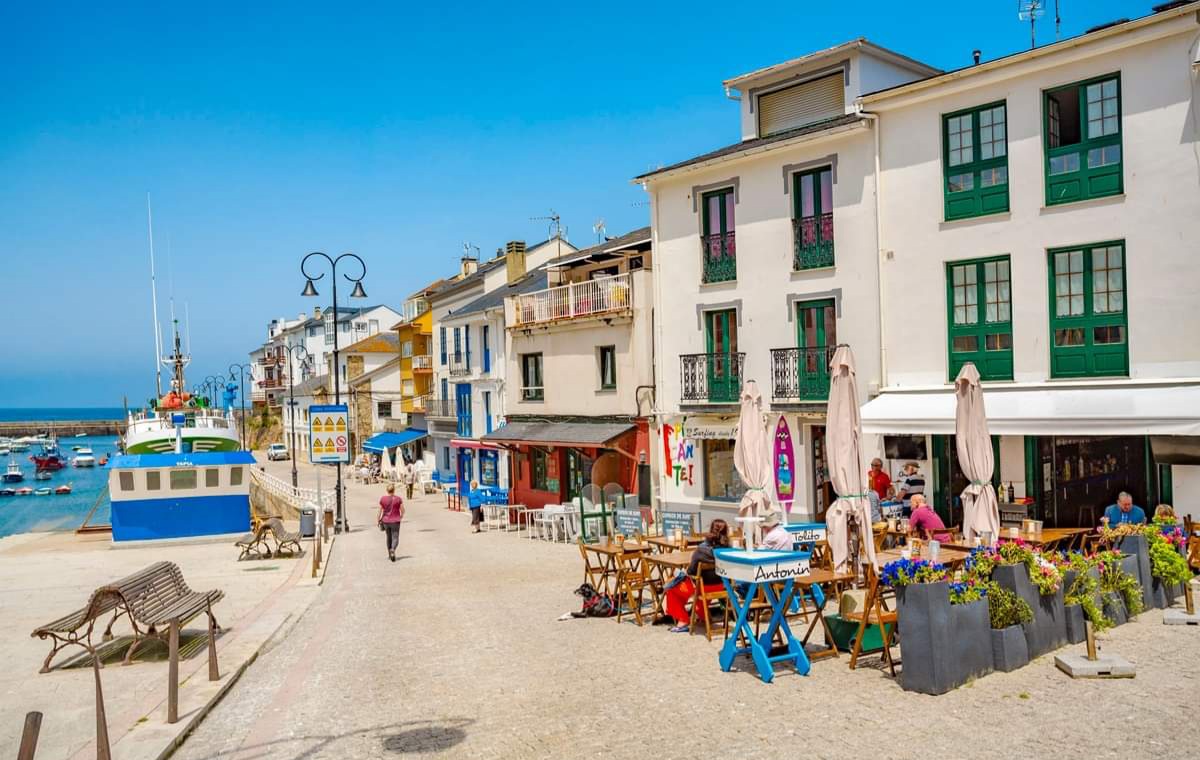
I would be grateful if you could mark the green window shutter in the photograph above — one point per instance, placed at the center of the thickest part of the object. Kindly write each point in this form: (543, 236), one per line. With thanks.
(1082, 136)
(979, 317)
(1089, 334)
(975, 161)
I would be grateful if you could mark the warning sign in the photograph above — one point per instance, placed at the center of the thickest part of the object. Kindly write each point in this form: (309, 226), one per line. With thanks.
(327, 427)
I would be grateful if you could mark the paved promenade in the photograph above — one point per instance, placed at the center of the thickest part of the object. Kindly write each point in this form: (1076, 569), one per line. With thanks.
(455, 651)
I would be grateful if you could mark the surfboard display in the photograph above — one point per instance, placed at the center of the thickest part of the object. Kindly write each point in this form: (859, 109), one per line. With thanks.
(784, 464)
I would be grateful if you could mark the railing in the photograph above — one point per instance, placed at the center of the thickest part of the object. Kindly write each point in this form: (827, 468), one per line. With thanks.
(421, 403)
(274, 382)
(440, 407)
(297, 497)
(814, 242)
(460, 365)
(711, 378)
(422, 361)
(603, 295)
(720, 257)
(800, 374)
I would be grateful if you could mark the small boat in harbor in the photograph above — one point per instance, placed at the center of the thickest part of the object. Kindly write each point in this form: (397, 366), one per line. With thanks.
(84, 458)
(81, 435)
(41, 475)
(46, 491)
(14, 473)
(18, 445)
(63, 490)
(24, 491)
(50, 458)
(103, 460)
(5, 447)
(8, 491)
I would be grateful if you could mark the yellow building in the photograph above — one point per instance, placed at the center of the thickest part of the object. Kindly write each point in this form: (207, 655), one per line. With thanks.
(416, 352)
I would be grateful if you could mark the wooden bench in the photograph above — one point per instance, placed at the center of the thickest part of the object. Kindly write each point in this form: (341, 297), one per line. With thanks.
(254, 542)
(159, 595)
(70, 629)
(283, 538)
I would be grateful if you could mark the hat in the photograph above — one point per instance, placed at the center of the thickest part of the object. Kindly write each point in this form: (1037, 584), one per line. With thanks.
(771, 518)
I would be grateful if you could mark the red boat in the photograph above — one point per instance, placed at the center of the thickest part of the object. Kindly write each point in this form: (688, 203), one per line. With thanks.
(49, 459)
(62, 490)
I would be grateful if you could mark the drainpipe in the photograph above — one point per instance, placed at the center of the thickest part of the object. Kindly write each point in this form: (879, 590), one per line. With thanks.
(883, 367)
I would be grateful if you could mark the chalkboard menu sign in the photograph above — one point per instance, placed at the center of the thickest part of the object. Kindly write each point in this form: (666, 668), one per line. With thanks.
(685, 521)
(628, 521)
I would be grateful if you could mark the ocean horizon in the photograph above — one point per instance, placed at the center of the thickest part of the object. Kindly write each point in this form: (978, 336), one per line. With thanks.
(60, 413)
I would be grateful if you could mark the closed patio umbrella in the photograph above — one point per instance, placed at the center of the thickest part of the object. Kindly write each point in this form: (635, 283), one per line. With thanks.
(981, 512)
(843, 434)
(751, 456)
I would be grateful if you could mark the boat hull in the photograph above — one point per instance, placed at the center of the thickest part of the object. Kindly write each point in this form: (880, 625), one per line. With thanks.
(199, 444)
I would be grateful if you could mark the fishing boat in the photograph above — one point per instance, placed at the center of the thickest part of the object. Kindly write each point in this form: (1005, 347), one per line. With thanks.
(50, 458)
(84, 458)
(41, 475)
(44, 491)
(18, 444)
(63, 490)
(14, 473)
(5, 446)
(76, 447)
(81, 435)
(8, 491)
(25, 491)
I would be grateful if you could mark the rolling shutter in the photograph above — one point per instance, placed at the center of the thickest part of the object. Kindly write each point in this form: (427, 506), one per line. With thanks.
(801, 104)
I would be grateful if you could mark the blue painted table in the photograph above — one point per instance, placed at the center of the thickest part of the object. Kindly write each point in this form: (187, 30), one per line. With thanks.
(744, 573)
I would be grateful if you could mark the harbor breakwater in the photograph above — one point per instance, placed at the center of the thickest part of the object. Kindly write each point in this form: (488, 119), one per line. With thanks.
(61, 428)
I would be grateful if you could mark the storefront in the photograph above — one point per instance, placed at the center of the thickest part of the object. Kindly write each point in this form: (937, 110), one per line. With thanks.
(551, 462)
(478, 462)
(1070, 451)
(393, 450)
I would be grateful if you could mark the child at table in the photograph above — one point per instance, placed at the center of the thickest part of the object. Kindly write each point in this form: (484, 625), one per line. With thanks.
(678, 595)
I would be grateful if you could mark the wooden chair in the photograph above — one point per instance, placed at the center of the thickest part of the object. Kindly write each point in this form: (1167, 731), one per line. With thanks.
(874, 612)
(632, 583)
(955, 532)
(595, 572)
(702, 600)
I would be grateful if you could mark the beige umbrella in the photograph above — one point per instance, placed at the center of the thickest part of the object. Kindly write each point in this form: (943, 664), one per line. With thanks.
(981, 513)
(843, 435)
(751, 456)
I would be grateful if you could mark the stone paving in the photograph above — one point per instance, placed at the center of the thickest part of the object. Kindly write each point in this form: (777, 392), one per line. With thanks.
(455, 651)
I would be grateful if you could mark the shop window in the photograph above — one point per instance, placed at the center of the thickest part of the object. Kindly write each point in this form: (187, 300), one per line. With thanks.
(183, 480)
(538, 470)
(721, 479)
(212, 477)
(1088, 321)
(975, 161)
(126, 479)
(1083, 140)
(153, 480)
(979, 306)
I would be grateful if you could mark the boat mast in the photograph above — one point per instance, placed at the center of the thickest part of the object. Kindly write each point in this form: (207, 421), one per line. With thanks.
(154, 304)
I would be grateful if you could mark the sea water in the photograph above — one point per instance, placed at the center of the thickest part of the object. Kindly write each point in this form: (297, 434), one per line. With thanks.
(89, 485)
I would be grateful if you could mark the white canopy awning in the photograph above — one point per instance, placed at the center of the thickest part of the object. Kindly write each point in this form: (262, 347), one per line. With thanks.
(1117, 410)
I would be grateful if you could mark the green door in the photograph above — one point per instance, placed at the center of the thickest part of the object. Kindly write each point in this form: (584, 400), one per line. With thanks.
(816, 332)
(722, 370)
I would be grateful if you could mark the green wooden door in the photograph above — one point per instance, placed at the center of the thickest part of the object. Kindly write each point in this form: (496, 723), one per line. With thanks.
(724, 383)
(816, 332)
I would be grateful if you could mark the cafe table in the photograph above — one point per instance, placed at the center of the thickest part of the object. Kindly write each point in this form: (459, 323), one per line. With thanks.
(950, 556)
(668, 543)
(745, 574)
(1050, 538)
(665, 565)
(606, 567)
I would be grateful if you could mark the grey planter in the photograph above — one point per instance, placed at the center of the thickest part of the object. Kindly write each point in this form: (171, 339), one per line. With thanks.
(1139, 547)
(942, 645)
(1048, 629)
(1114, 609)
(1164, 594)
(1010, 650)
(1076, 631)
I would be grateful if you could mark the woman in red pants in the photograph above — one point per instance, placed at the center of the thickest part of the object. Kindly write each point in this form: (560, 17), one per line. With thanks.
(678, 596)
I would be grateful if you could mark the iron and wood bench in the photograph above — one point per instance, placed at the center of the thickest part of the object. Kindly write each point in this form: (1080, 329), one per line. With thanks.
(76, 628)
(254, 542)
(160, 595)
(283, 538)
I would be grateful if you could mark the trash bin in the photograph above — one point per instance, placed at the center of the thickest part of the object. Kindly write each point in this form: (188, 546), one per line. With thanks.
(308, 522)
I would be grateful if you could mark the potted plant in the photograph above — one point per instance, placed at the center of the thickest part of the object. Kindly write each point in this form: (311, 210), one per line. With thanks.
(1169, 569)
(1038, 581)
(1133, 540)
(1082, 599)
(1121, 594)
(944, 626)
(1008, 613)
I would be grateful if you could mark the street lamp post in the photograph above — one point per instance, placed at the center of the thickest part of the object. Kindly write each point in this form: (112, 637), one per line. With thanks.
(241, 369)
(358, 292)
(296, 352)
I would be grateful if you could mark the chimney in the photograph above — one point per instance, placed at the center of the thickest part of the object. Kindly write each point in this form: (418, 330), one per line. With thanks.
(514, 260)
(316, 312)
(469, 265)
(975, 54)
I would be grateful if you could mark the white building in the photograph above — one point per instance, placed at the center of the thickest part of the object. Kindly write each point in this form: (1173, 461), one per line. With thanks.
(765, 253)
(1040, 218)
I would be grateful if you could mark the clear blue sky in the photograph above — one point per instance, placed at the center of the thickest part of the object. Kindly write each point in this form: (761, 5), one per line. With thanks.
(264, 131)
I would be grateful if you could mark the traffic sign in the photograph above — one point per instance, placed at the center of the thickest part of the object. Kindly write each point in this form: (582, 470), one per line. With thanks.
(328, 439)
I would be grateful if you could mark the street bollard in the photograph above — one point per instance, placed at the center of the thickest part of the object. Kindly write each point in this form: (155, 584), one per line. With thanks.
(29, 736)
(173, 672)
(214, 673)
(102, 749)
(1091, 640)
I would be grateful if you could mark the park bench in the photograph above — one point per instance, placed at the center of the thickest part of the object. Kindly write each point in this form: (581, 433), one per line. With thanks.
(254, 542)
(283, 538)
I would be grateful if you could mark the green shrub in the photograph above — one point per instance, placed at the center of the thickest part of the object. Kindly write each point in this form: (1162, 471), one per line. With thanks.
(1006, 608)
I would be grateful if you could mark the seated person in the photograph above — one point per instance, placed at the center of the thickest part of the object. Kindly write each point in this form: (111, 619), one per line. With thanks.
(1124, 511)
(1165, 513)
(776, 537)
(676, 597)
(925, 523)
(876, 509)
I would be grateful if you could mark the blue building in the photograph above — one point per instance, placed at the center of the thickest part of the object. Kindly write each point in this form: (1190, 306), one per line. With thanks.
(179, 495)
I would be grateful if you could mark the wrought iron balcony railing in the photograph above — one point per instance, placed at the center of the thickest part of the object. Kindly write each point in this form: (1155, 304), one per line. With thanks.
(711, 378)
(422, 362)
(460, 365)
(720, 257)
(800, 374)
(814, 241)
(440, 407)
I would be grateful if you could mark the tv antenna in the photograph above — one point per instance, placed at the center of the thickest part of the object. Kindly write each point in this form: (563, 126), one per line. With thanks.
(555, 226)
(598, 228)
(1031, 11)
(467, 251)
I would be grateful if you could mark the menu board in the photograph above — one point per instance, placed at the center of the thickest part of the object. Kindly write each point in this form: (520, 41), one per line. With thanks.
(685, 521)
(628, 521)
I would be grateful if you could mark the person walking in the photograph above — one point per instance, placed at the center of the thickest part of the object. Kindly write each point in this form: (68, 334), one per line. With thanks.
(391, 512)
(476, 505)
(409, 475)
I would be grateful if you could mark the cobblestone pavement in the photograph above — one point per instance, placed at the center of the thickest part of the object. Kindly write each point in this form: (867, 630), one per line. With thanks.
(455, 651)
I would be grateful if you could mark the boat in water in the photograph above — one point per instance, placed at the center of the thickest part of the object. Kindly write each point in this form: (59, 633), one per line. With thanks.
(23, 491)
(44, 491)
(18, 444)
(50, 458)
(14, 473)
(41, 475)
(8, 491)
(63, 490)
(85, 457)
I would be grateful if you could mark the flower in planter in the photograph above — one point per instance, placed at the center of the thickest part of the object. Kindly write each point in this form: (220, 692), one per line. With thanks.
(1045, 575)
(981, 561)
(1166, 563)
(1085, 590)
(969, 590)
(1006, 608)
(903, 572)
(1113, 580)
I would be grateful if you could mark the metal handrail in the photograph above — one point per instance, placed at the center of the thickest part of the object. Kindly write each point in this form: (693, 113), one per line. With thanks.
(711, 378)
(602, 295)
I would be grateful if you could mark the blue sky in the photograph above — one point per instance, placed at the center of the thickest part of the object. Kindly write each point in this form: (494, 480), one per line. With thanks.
(264, 131)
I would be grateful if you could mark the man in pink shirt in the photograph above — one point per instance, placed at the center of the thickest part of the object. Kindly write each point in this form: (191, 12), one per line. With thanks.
(924, 522)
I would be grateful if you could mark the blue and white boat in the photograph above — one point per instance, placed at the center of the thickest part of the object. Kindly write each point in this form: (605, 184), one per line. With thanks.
(14, 474)
(157, 496)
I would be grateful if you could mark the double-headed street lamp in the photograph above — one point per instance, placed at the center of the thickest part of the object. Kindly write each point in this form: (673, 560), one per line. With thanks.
(358, 292)
(297, 353)
(240, 370)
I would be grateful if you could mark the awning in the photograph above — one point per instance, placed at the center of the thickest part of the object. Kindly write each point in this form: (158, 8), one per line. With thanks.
(471, 443)
(380, 442)
(1116, 410)
(559, 433)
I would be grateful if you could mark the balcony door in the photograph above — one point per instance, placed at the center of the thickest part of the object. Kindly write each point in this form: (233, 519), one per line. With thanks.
(816, 334)
(462, 397)
(722, 371)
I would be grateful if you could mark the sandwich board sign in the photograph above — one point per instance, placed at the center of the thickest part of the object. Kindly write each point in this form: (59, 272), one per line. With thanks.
(329, 434)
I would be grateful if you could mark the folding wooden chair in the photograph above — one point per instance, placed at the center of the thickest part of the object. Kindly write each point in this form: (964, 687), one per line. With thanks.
(594, 570)
(702, 600)
(632, 579)
(874, 612)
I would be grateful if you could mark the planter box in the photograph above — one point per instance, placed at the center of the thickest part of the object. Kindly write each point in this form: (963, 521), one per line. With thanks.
(1010, 650)
(942, 645)
(1076, 632)
(1048, 630)
(1114, 609)
(1139, 547)
(1165, 595)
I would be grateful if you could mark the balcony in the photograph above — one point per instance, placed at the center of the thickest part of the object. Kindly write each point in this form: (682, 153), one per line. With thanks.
(576, 300)
(440, 407)
(814, 242)
(711, 378)
(800, 375)
(422, 363)
(720, 257)
(273, 382)
(460, 365)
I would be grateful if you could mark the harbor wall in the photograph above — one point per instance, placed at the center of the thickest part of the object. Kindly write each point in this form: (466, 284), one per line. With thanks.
(62, 428)
(267, 504)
